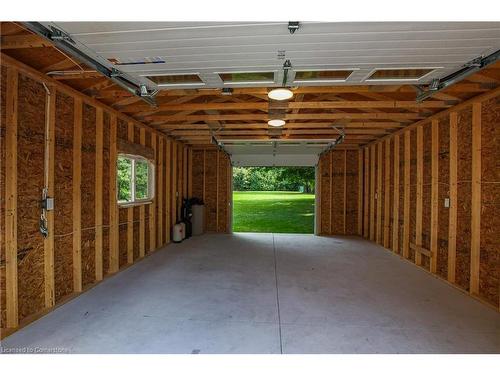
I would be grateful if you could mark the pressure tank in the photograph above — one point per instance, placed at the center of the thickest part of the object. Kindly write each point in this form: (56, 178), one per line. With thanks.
(177, 234)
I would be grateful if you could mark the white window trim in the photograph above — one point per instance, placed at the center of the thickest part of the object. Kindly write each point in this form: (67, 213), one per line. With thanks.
(151, 181)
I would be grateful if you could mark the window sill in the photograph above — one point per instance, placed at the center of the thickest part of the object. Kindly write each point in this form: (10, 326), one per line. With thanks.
(134, 204)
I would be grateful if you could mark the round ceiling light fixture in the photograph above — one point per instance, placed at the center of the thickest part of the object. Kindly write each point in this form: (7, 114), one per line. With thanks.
(276, 122)
(280, 94)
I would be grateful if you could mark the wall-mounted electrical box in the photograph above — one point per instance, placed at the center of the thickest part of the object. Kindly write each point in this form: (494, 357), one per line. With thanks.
(447, 202)
(48, 204)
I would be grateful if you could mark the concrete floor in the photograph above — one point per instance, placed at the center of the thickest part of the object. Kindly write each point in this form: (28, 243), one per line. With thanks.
(264, 293)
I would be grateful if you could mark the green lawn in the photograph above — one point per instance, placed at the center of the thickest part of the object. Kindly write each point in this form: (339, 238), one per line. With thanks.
(273, 211)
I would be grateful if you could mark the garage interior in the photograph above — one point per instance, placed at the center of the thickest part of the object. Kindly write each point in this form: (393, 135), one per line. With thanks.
(400, 119)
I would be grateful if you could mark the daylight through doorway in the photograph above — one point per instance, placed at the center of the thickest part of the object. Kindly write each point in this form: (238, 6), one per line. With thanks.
(273, 199)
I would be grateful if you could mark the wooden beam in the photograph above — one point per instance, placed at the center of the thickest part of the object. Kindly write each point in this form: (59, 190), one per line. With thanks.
(419, 193)
(129, 147)
(387, 195)
(366, 210)
(434, 194)
(289, 116)
(452, 220)
(77, 200)
(168, 190)
(159, 191)
(152, 207)
(295, 106)
(48, 242)
(395, 211)
(217, 192)
(77, 74)
(192, 133)
(98, 194)
(11, 282)
(190, 173)
(330, 198)
(261, 92)
(345, 189)
(204, 188)
(142, 209)
(318, 202)
(372, 194)
(179, 179)
(113, 198)
(174, 183)
(23, 41)
(420, 250)
(185, 162)
(62, 64)
(360, 125)
(406, 199)
(360, 192)
(476, 199)
(378, 235)
(130, 210)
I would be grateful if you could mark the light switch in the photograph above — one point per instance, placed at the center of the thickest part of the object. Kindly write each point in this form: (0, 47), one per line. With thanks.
(447, 202)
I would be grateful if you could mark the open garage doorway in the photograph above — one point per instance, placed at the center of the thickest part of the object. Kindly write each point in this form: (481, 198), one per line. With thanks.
(273, 199)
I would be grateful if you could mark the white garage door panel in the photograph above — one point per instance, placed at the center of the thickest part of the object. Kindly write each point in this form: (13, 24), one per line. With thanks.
(280, 160)
(280, 153)
(206, 48)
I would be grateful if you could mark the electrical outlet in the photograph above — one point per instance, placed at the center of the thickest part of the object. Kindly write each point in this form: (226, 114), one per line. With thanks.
(447, 202)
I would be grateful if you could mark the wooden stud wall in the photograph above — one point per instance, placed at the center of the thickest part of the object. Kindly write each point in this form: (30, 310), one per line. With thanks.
(339, 193)
(84, 243)
(210, 178)
(443, 177)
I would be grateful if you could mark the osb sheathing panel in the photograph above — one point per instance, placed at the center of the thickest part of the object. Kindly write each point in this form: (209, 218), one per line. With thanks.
(105, 192)
(426, 192)
(122, 129)
(3, 84)
(63, 197)
(489, 266)
(197, 174)
(390, 186)
(166, 196)
(337, 195)
(88, 194)
(352, 192)
(122, 236)
(401, 191)
(324, 164)
(413, 188)
(443, 193)
(30, 156)
(380, 194)
(211, 190)
(464, 192)
(223, 193)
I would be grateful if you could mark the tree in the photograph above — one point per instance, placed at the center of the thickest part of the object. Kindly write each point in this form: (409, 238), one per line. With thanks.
(305, 176)
(273, 178)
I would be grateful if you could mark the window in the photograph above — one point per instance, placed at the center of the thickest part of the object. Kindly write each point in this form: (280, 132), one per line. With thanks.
(322, 75)
(135, 181)
(247, 77)
(407, 74)
(176, 79)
